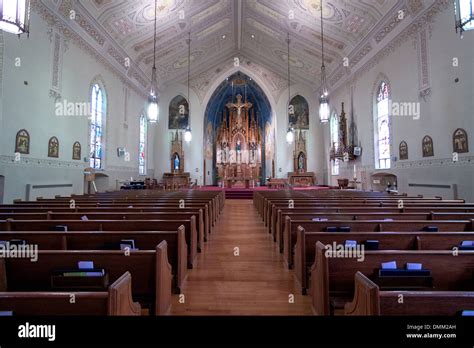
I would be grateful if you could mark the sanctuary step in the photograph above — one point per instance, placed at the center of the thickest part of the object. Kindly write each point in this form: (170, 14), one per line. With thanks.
(238, 194)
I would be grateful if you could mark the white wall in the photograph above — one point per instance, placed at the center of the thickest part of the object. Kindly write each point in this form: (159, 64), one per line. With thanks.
(31, 107)
(450, 106)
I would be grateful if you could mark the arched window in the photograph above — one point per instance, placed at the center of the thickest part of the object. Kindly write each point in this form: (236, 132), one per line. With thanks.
(98, 111)
(382, 132)
(334, 129)
(142, 146)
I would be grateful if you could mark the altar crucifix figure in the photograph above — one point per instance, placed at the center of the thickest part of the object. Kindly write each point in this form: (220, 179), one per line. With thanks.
(239, 106)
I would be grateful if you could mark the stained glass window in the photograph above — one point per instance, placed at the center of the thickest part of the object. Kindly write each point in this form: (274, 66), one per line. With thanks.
(97, 127)
(142, 146)
(383, 128)
(334, 129)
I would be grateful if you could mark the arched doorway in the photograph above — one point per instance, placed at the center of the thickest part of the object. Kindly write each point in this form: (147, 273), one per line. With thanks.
(239, 132)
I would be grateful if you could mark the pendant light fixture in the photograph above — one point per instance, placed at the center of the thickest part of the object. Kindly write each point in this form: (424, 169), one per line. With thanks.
(15, 16)
(324, 97)
(188, 135)
(290, 134)
(153, 111)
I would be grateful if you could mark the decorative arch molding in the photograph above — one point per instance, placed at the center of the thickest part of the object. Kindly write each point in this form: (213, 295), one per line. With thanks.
(381, 77)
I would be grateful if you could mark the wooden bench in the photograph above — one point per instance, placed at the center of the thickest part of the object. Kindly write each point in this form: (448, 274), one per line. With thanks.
(305, 241)
(369, 299)
(117, 215)
(111, 225)
(332, 279)
(116, 301)
(93, 240)
(150, 271)
(291, 226)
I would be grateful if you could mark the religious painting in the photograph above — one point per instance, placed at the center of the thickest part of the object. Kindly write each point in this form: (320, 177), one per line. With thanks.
(298, 113)
(22, 142)
(428, 150)
(76, 151)
(403, 150)
(53, 147)
(460, 141)
(178, 113)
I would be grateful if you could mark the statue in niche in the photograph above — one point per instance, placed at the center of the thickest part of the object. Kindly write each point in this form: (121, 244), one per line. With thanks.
(22, 143)
(176, 163)
(301, 161)
(239, 151)
(428, 150)
(460, 141)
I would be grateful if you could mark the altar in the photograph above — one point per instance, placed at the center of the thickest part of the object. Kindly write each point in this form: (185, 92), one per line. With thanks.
(301, 179)
(239, 146)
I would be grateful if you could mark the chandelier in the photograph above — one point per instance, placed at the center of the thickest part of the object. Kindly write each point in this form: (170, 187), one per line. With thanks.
(188, 135)
(15, 16)
(324, 97)
(153, 110)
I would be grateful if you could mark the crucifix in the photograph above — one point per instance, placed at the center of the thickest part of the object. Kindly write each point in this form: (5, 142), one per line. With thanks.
(239, 106)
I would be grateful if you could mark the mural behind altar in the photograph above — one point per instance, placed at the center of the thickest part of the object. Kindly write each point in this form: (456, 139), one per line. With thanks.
(239, 134)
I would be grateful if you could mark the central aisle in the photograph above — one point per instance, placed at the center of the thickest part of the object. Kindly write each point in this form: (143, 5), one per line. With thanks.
(254, 283)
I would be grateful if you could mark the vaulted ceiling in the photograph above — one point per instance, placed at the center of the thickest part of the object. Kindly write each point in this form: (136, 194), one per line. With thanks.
(255, 31)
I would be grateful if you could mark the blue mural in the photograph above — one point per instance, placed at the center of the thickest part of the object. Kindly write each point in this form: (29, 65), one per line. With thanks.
(227, 91)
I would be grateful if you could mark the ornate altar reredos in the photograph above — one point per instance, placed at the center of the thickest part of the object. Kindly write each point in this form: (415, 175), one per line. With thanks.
(300, 175)
(239, 144)
(176, 177)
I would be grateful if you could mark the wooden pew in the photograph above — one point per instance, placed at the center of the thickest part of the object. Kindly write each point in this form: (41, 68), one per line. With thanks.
(369, 299)
(203, 221)
(114, 215)
(305, 241)
(150, 271)
(289, 233)
(332, 279)
(429, 215)
(117, 301)
(93, 240)
(111, 225)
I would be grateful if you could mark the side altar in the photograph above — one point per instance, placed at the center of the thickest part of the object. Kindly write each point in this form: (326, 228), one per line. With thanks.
(300, 176)
(177, 178)
(239, 146)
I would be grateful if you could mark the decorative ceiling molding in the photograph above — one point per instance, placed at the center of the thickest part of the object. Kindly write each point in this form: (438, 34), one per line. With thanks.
(339, 77)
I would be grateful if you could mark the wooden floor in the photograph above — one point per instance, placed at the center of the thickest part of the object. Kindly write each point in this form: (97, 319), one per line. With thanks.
(254, 283)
